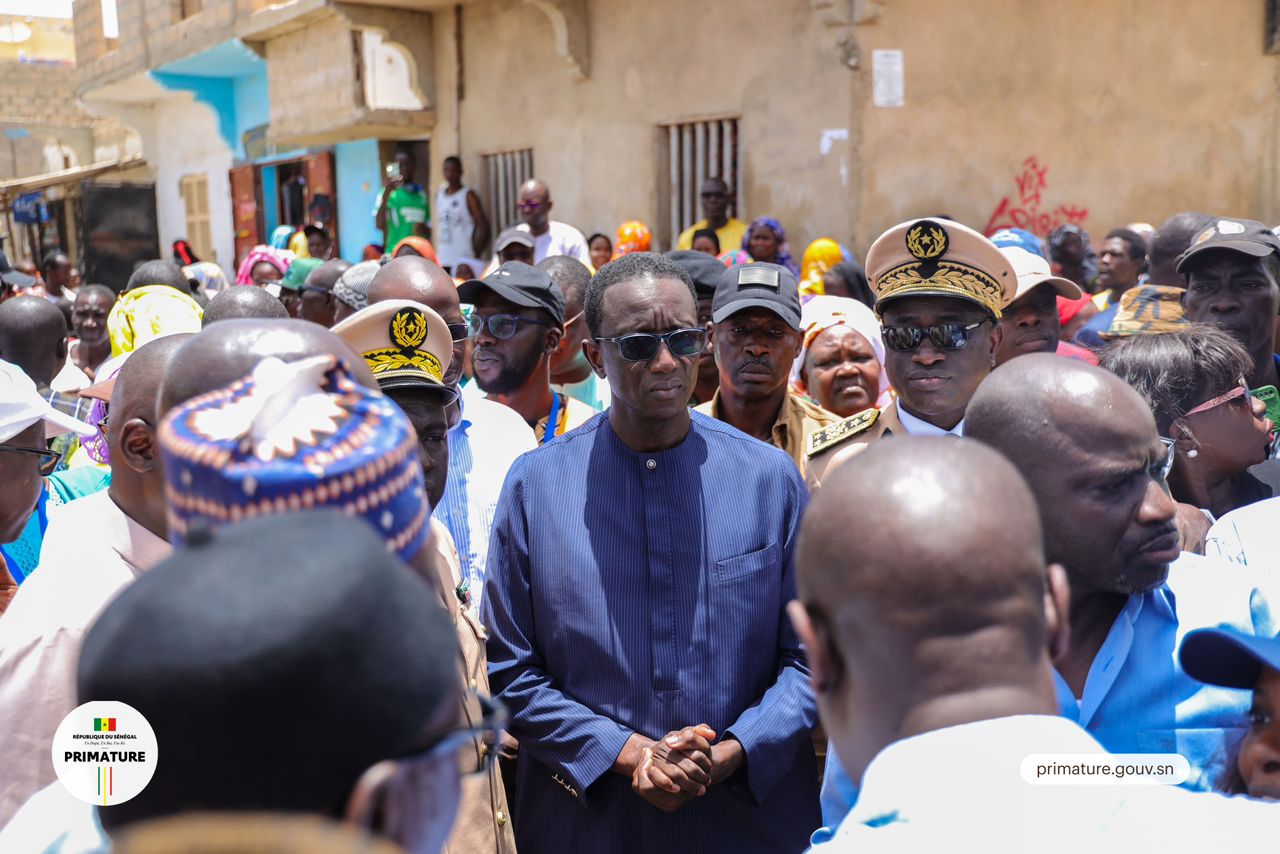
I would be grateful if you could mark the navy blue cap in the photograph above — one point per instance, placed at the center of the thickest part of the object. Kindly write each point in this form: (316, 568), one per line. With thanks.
(704, 269)
(519, 283)
(1228, 657)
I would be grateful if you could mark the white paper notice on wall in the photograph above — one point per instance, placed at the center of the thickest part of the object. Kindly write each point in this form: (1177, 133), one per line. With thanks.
(886, 78)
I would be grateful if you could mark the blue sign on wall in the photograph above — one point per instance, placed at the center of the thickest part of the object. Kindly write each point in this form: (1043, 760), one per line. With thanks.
(30, 209)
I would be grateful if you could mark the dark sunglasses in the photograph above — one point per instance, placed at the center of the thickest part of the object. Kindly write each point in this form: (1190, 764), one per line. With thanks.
(643, 346)
(501, 326)
(945, 336)
(48, 459)
(529, 206)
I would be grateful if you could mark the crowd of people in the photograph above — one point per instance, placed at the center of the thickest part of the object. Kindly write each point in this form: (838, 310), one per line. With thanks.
(587, 547)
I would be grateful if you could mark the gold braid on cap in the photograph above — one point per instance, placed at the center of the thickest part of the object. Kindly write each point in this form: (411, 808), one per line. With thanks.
(948, 278)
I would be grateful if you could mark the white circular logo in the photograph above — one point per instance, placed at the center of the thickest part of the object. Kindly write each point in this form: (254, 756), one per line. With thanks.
(104, 752)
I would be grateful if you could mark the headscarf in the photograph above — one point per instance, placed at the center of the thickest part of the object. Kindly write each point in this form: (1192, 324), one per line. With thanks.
(278, 258)
(1059, 235)
(208, 276)
(298, 272)
(735, 258)
(820, 256)
(855, 278)
(352, 287)
(1147, 309)
(183, 254)
(144, 314)
(633, 236)
(281, 236)
(420, 245)
(822, 313)
(96, 445)
(784, 251)
(298, 244)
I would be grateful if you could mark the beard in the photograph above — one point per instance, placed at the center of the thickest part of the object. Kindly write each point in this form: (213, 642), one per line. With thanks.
(514, 374)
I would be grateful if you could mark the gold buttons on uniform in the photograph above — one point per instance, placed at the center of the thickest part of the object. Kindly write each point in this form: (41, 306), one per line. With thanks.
(502, 817)
(474, 684)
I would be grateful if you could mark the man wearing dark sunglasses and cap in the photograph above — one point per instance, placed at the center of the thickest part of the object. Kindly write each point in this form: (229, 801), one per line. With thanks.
(940, 290)
(756, 335)
(516, 325)
(636, 608)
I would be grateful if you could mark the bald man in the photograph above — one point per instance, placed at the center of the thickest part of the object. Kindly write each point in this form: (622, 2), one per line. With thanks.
(484, 437)
(549, 236)
(1087, 445)
(571, 373)
(243, 303)
(33, 336)
(319, 305)
(93, 548)
(934, 693)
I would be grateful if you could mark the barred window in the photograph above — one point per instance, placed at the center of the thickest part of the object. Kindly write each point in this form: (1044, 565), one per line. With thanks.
(504, 172)
(696, 151)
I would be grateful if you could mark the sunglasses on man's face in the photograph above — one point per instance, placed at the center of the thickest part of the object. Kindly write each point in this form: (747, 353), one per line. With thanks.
(945, 336)
(643, 346)
(48, 459)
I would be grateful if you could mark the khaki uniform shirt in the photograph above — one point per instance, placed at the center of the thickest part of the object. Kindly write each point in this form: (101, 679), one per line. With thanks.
(832, 446)
(797, 418)
(484, 820)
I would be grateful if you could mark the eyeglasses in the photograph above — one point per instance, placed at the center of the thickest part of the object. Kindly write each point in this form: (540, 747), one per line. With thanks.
(501, 326)
(48, 459)
(1241, 390)
(528, 206)
(1159, 470)
(945, 336)
(388, 797)
(643, 346)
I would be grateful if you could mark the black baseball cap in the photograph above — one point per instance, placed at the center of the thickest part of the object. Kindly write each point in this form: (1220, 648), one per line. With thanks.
(517, 282)
(1246, 236)
(1228, 657)
(757, 285)
(12, 277)
(704, 269)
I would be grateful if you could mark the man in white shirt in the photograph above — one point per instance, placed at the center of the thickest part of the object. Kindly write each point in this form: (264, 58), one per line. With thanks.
(935, 693)
(549, 236)
(93, 548)
(1247, 536)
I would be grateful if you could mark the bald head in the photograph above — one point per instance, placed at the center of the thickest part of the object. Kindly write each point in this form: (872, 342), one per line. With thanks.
(908, 633)
(229, 351)
(535, 206)
(1087, 445)
(327, 274)
(239, 303)
(33, 335)
(1037, 405)
(137, 478)
(415, 278)
(159, 272)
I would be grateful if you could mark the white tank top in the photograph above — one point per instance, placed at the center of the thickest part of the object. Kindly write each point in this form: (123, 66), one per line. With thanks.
(454, 226)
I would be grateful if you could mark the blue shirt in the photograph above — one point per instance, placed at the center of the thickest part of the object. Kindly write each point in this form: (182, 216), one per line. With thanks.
(22, 556)
(482, 446)
(646, 593)
(1137, 698)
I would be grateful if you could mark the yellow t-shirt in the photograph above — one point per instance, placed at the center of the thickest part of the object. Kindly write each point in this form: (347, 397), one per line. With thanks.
(730, 235)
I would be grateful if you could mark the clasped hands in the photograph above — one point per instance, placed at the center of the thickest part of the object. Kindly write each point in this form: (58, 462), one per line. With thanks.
(678, 767)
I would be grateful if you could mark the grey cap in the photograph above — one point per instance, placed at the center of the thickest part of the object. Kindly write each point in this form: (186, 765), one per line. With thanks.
(757, 285)
(515, 234)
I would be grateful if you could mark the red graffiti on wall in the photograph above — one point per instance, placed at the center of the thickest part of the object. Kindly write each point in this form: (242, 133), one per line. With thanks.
(1025, 211)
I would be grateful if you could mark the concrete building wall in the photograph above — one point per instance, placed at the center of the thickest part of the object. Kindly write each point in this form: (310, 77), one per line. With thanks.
(1108, 111)
(597, 142)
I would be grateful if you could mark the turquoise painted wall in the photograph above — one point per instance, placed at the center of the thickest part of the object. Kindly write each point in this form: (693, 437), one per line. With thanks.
(270, 202)
(358, 179)
(217, 93)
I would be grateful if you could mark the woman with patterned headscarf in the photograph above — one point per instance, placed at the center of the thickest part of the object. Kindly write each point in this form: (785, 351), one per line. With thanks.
(820, 256)
(841, 361)
(633, 236)
(767, 242)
